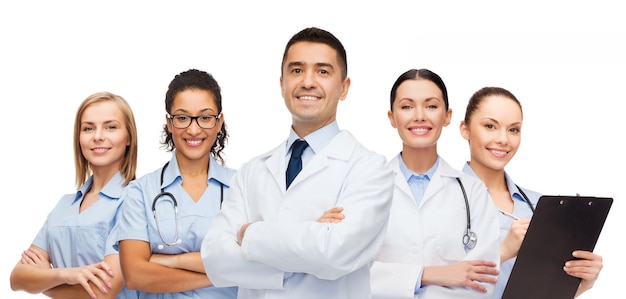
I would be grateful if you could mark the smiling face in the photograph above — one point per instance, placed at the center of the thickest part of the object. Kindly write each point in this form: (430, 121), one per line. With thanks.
(312, 85)
(493, 132)
(419, 113)
(103, 136)
(194, 142)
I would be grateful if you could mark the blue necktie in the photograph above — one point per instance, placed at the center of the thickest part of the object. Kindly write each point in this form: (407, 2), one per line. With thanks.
(295, 162)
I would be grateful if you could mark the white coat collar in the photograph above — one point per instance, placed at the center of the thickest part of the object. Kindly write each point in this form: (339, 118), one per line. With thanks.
(436, 182)
(340, 148)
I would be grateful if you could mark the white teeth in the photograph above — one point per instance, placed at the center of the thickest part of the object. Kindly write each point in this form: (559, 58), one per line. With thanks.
(308, 98)
(194, 142)
(419, 130)
(499, 153)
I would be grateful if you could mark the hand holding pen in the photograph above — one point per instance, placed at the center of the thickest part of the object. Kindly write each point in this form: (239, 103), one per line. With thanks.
(513, 241)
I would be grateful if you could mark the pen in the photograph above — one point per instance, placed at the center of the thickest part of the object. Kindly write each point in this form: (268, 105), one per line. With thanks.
(509, 215)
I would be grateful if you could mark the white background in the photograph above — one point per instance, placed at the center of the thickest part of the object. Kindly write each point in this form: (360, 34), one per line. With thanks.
(565, 63)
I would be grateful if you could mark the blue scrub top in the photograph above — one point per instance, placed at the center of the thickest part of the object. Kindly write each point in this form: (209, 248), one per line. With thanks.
(74, 239)
(194, 218)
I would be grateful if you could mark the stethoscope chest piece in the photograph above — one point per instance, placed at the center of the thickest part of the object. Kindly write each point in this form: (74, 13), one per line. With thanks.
(469, 239)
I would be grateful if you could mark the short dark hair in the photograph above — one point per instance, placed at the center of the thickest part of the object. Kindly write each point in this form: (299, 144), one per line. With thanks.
(317, 35)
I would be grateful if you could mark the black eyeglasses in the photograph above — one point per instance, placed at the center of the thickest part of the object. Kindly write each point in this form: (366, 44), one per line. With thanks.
(205, 121)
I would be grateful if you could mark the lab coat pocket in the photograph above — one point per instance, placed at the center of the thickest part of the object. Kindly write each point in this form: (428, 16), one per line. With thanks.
(449, 236)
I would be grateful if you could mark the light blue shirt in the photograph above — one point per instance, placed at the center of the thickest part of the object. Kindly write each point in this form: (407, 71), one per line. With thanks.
(521, 209)
(194, 218)
(74, 239)
(316, 140)
(417, 182)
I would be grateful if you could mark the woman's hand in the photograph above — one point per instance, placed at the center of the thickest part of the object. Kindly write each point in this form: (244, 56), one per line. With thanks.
(36, 257)
(462, 274)
(587, 266)
(99, 274)
(513, 241)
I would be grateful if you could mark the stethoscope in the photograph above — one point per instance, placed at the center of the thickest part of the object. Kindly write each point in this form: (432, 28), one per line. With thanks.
(169, 195)
(470, 238)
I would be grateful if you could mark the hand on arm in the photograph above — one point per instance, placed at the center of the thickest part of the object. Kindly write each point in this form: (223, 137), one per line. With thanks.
(191, 261)
(37, 257)
(587, 266)
(333, 215)
(513, 241)
(98, 275)
(242, 233)
(34, 275)
(142, 274)
(464, 274)
(77, 291)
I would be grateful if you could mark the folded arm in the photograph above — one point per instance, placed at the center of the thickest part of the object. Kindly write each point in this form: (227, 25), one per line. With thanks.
(34, 274)
(142, 274)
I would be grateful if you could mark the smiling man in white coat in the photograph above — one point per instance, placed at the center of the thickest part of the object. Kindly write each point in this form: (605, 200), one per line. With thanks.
(267, 239)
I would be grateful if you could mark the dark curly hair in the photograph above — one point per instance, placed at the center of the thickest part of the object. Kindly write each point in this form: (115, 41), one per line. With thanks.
(195, 79)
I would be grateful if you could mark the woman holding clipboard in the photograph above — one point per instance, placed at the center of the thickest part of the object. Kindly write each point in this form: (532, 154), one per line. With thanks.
(492, 126)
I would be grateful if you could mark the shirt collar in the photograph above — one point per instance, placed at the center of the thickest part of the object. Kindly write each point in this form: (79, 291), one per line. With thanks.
(515, 192)
(317, 140)
(408, 173)
(217, 172)
(509, 182)
(112, 189)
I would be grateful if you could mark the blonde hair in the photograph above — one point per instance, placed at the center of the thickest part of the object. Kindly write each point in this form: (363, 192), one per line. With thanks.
(129, 162)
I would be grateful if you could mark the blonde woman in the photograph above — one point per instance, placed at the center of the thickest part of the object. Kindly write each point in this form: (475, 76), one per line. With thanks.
(72, 255)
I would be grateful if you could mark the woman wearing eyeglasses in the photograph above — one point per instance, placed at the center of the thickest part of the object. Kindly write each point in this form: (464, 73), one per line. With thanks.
(169, 211)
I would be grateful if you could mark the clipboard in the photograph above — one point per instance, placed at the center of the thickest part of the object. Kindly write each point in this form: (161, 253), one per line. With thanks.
(560, 225)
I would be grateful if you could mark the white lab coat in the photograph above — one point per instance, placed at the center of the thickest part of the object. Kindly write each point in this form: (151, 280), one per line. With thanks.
(431, 234)
(320, 260)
